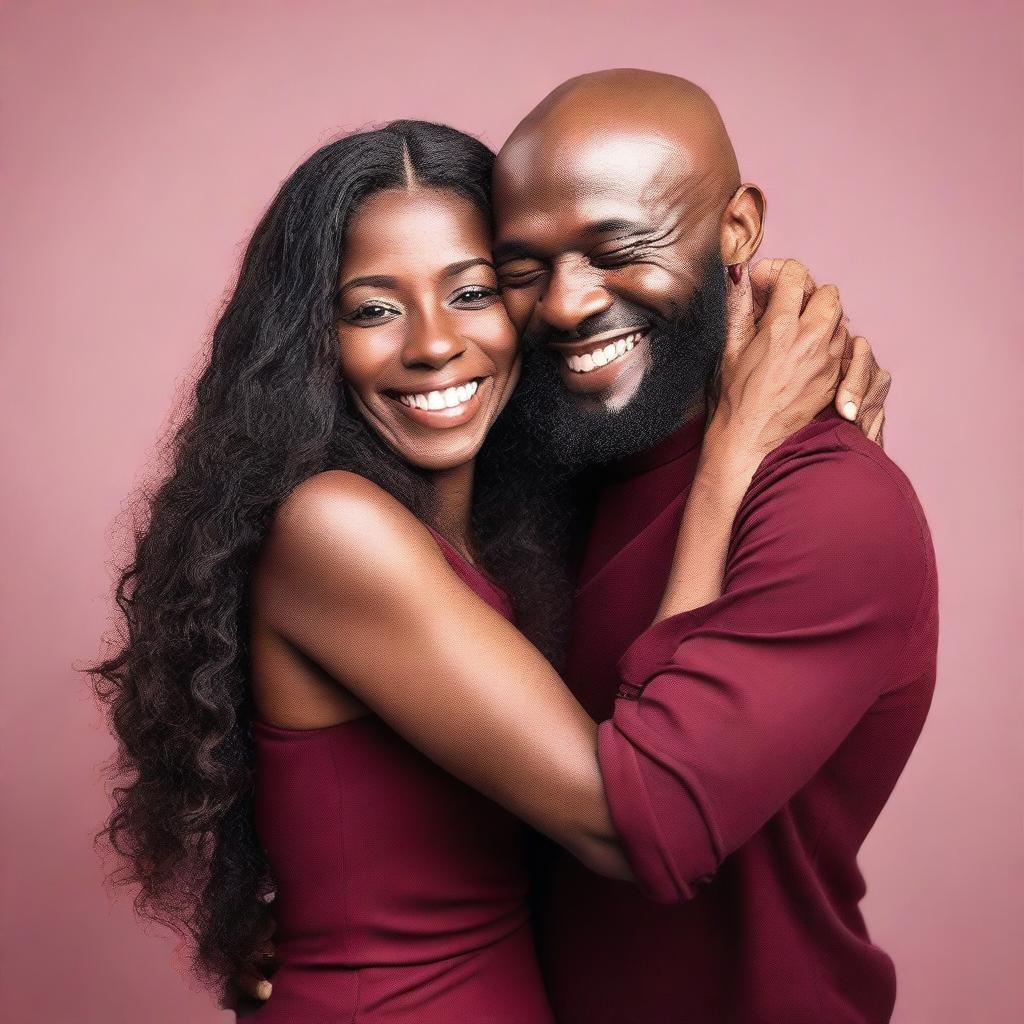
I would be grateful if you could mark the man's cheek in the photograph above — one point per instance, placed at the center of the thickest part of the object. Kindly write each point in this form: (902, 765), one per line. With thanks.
(664, 289)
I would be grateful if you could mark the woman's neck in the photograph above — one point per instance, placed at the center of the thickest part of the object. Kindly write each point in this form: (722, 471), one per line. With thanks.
(453, 490)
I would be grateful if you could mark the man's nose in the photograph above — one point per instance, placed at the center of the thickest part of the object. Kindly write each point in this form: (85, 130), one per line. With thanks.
(573, 294)
(431, 340)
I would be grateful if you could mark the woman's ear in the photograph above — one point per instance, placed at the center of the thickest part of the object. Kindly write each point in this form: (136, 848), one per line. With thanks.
(742, 225)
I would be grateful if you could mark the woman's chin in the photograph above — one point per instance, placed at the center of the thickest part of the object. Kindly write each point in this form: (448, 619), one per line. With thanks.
(442, 457)
(436, 454)
(430, 440)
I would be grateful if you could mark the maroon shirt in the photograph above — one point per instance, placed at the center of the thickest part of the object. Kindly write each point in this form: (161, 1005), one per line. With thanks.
(747, 746)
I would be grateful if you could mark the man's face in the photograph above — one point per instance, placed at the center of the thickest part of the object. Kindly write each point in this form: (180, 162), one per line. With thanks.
(608, 261)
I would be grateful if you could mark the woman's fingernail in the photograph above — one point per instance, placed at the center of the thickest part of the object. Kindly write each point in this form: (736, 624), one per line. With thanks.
(263, 989)
(850, 410)
(736, 272)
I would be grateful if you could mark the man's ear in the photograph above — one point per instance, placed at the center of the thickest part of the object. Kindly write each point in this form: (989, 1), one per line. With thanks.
(742, 225)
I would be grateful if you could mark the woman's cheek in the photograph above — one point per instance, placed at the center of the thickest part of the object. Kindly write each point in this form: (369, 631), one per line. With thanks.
(498, 337)
(363, 353)
(519, 303)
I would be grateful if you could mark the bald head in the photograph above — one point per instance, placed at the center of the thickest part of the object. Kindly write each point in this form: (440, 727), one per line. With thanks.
(600, 116)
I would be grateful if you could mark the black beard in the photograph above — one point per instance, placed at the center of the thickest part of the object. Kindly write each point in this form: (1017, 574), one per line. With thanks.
(684, 350)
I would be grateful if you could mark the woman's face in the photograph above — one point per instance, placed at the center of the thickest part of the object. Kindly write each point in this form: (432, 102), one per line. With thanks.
(427, 350)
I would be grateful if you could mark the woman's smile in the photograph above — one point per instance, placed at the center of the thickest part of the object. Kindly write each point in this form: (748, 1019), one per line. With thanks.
(427, 350)
(446, 405)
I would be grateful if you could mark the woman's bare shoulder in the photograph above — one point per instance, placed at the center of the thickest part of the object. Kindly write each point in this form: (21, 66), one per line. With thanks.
(340, 522)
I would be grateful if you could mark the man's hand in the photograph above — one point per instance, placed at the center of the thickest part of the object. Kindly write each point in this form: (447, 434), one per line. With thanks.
(863, 384)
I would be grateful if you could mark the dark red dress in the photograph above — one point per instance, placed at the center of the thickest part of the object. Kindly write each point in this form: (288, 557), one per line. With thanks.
(401, 892)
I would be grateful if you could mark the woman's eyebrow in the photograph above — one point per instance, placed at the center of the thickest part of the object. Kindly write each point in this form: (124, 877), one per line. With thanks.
(372, 281)
(386, 281)
(458, 268)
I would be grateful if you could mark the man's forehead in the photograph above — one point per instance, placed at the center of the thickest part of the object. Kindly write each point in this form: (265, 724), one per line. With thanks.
(597, 182)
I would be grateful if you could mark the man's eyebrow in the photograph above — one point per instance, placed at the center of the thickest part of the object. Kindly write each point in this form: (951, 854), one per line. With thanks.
(617, 224)
(514, 248)
(511, 249)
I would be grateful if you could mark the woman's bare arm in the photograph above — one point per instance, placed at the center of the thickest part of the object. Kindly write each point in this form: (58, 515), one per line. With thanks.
(787, 347)
(355, 582)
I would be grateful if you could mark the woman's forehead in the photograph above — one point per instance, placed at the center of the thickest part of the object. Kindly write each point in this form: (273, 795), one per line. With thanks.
(419, 223)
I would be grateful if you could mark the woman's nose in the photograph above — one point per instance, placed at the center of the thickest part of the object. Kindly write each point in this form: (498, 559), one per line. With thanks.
(431, 341)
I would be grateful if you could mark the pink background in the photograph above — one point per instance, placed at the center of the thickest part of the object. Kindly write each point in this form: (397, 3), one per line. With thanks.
(142, 140)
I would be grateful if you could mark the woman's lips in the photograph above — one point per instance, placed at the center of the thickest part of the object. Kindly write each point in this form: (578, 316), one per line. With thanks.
(444, 407)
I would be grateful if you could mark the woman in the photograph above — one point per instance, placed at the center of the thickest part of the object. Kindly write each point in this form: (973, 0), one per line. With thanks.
(315, 597)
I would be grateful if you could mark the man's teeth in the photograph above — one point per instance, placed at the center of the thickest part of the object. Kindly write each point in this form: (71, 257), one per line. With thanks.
(447, 399)
(602, 356)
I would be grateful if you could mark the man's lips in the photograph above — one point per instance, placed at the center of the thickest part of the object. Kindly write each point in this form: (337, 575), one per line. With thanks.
(594, 365)
(597, 341)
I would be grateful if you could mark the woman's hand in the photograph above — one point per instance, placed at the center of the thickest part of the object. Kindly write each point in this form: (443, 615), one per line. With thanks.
(787, 348)
(779, 370)
(864, 385)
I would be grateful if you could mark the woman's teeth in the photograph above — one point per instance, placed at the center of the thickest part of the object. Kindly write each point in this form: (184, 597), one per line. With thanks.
(447, 399)
(603, 356)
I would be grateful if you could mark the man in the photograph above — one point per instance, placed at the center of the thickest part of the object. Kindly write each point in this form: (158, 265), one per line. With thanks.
(746, 746)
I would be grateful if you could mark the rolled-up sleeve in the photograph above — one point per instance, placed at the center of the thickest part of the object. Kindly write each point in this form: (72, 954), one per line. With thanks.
(726, 711)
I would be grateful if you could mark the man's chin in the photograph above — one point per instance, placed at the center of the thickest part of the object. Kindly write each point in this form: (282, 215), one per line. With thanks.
(616, 386)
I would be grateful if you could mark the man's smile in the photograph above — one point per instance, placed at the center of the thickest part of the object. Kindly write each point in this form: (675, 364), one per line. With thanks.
(594, 364)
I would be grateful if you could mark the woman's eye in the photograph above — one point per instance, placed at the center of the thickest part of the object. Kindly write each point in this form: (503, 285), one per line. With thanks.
(476, 296)
(370, 312)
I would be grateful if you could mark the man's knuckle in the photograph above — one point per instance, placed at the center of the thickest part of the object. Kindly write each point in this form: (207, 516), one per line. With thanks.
(780, 329)
(793, 274)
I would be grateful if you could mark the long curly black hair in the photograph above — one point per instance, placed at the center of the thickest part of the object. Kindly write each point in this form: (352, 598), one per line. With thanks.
(269, 411)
